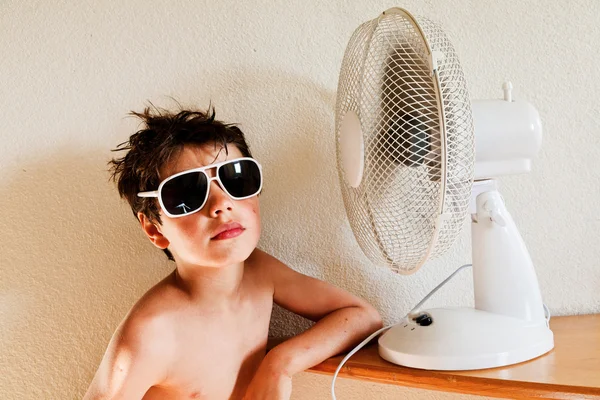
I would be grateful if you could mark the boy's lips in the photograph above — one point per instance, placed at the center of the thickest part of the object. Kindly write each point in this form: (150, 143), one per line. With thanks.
(227, 231)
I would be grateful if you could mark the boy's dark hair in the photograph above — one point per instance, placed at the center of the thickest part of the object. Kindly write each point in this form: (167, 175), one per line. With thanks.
(162, 138)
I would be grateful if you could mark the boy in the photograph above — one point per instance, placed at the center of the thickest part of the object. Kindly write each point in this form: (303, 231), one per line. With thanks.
(201, 333)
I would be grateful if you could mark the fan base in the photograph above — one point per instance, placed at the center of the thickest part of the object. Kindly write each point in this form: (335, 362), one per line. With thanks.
(464, 339)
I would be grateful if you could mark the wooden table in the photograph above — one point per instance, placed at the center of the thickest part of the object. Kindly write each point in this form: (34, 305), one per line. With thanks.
(570, 371)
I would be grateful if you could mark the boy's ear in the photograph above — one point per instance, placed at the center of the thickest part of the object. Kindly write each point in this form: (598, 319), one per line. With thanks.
(153, 232)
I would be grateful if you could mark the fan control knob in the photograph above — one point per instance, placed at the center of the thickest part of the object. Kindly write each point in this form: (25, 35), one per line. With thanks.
(423, 320)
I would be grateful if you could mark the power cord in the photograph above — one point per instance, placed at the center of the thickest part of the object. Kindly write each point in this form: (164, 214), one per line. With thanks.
(412, 311)
(367, 340)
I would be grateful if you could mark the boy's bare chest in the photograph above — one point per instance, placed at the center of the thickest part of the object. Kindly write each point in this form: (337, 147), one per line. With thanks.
(218, 352)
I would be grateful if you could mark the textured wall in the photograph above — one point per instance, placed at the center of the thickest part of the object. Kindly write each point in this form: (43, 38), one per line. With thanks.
(73, 260)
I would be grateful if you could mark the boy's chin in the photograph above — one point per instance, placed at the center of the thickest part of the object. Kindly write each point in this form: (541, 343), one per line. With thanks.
(224, 258)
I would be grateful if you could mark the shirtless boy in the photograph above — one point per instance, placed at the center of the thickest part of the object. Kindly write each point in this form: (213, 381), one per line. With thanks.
(201, 332)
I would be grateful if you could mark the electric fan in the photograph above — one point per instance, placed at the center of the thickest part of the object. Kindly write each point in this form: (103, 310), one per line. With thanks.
(415, 158)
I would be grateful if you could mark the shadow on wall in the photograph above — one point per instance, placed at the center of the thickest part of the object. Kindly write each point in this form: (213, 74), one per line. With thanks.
(67, 274)
(74, 260)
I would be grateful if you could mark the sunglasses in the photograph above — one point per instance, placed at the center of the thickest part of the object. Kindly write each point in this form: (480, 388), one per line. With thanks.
(186, 192)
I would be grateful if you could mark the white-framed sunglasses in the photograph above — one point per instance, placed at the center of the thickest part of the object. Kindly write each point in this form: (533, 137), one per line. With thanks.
(187, 192)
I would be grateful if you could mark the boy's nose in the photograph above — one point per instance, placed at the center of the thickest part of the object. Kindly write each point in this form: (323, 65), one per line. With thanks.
(218, 200)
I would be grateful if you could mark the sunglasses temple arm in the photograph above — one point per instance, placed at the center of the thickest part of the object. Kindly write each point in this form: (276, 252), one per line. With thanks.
(148, 194)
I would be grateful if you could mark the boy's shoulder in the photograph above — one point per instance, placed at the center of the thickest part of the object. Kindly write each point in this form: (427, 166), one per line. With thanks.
(270, 269)
(143, 337)
(150, 314)
(142, 347)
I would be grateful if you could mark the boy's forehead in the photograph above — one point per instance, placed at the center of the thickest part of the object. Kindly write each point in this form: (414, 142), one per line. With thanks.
(194, 156)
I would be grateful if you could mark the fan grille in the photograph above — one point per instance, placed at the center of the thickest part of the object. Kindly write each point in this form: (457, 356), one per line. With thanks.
(414, 170)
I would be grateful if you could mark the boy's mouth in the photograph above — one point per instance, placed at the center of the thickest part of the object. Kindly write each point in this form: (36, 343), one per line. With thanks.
(228, 231)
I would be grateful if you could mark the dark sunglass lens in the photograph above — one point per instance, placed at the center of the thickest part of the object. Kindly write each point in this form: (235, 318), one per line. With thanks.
(240, 178)
(184, 194)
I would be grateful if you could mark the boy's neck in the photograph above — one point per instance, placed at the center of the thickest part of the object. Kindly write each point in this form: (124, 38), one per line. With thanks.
(210, 284)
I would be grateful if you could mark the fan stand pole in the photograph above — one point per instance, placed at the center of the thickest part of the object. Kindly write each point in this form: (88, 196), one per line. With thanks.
(503, 275)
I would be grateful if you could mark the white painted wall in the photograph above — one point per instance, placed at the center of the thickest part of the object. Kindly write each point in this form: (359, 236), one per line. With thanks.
(72, 258)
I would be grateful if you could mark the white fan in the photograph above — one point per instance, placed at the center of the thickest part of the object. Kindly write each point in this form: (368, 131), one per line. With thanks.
(415, 158)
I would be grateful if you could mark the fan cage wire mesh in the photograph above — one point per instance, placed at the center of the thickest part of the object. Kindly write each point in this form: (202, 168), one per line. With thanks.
(418, 138)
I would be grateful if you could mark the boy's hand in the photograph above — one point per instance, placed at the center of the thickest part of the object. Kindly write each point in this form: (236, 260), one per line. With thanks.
(269, 383)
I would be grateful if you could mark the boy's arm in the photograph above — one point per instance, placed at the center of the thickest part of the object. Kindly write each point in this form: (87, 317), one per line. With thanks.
(342, 319)
(130, 365)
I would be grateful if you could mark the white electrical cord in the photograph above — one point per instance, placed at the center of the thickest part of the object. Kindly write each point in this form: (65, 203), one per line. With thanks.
(414, 309)
(367, 340)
